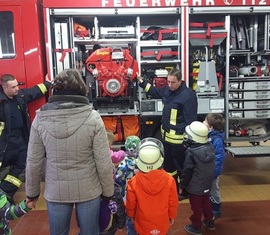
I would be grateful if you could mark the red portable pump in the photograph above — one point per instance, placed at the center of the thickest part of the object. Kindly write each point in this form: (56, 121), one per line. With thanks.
(113, 69)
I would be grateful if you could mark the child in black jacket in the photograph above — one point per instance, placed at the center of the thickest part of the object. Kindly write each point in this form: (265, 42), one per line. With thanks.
(197, 177)
(112, 213)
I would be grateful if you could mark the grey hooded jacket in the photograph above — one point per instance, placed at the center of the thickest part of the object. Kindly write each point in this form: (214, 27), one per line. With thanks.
(72, 138)
(199, 167)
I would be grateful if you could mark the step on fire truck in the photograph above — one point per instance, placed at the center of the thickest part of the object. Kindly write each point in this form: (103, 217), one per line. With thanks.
(221, 47)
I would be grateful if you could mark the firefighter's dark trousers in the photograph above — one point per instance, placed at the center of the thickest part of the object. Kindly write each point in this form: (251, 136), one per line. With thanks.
(174, 160)
(15, 158)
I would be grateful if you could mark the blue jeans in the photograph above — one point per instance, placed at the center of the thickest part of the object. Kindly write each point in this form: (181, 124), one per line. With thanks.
(130, 227)
(215, 192)
(87, 214)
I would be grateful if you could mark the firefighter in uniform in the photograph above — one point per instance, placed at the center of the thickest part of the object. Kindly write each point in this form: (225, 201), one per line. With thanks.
(14, 129)
(179, 110)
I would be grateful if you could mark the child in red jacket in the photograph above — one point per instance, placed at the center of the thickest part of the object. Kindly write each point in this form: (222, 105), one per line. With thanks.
(152, 199)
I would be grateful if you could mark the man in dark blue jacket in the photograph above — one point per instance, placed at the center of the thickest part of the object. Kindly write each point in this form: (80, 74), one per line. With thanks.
(179, 110)
(14, 129)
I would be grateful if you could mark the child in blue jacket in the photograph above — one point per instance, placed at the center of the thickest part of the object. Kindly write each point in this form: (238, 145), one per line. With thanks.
(216, 135)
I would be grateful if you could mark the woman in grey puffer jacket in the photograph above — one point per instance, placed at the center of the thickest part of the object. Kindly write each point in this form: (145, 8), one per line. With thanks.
(68, 139)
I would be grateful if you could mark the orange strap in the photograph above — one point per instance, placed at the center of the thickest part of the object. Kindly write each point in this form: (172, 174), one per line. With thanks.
(219, 75)
(160, 32)
(119, 129)
(64, 52)
(159, 54)
(207, 25)
(147, 31)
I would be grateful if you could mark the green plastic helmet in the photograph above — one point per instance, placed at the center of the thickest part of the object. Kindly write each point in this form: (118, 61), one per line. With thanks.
(131, 145)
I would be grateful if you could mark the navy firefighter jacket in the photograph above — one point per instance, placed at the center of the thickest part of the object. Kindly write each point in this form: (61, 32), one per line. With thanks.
(23, 97)
(179, 109)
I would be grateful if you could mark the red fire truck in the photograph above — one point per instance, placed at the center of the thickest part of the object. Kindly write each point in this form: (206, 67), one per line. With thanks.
(221, 46)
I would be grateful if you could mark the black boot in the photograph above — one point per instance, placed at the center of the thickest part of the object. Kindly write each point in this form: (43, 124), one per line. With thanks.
(216, 207)
(184, 195)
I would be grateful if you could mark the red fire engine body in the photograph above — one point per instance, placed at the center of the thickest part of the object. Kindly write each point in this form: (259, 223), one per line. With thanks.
(200, 37)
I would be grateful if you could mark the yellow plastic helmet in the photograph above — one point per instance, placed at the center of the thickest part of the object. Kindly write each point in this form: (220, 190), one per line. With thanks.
(150, 154)
(197, 132)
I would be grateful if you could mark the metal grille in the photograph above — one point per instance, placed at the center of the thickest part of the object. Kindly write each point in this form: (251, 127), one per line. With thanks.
(252, 151)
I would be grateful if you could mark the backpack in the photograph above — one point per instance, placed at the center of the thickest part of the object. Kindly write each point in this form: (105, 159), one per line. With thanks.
(107, 210)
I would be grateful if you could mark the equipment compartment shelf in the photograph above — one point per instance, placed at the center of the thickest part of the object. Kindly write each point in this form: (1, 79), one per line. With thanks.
(248, 85)
(250, 79)
(157, 43)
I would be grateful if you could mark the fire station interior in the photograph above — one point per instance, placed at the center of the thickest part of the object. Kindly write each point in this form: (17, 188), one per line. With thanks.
(228, 65)
(227, 61)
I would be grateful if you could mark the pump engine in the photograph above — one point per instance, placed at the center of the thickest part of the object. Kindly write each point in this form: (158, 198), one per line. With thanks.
(113, 72)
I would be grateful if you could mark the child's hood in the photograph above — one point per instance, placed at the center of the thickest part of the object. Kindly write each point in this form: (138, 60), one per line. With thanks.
(204, 152)
(153, 182)
(216, 134)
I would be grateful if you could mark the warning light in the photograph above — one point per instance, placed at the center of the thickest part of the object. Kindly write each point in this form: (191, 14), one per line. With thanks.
(149, 122)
